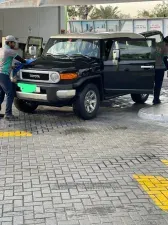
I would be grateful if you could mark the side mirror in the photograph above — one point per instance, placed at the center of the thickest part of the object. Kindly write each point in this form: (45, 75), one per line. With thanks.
(116, 54)
(33, 51)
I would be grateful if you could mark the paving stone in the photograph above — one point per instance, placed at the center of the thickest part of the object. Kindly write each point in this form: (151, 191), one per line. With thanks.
(7, 208)
(6, 219)
(18, 203)
(38, 209)
(6, 223)
(51, 221)
(68, 223)
(78, 172)
(18, 220)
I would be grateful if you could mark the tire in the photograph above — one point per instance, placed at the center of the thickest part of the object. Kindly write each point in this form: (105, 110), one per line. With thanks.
(139, 98)
(87, 103)
(25, 106)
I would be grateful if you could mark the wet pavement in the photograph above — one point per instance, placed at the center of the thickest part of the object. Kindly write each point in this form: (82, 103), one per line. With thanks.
(157, 112)
(58, 169)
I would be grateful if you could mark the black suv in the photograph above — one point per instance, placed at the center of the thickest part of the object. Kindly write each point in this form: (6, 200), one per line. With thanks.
(81, 70)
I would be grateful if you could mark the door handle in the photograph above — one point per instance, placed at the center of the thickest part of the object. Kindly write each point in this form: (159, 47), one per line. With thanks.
(147, 67)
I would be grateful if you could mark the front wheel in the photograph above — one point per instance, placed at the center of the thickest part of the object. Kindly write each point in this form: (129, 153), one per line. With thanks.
(87, 103)
(139, 98)
(25, 106)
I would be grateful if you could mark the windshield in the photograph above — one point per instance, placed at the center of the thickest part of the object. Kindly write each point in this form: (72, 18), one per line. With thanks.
(72, 47)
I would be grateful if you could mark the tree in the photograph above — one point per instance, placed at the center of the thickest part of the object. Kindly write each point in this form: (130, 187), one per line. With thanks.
(84, 11)
(124, 16)
(160, 10)
(81, 11)
(145, 14)
(72, 11)
(107, 12)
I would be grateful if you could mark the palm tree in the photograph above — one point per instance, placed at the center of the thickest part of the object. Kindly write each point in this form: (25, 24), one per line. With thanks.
(107, 12)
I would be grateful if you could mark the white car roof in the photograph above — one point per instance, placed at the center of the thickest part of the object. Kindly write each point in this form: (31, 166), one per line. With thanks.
(105, 35)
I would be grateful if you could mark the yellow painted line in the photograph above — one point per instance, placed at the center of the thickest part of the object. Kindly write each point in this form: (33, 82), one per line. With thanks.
(165, 162)
(156, 187)
(15, 134)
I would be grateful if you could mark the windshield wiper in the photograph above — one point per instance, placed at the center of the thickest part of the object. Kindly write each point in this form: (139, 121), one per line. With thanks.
(85, 56)
(56, 55)
(60, 54)
(49, 54)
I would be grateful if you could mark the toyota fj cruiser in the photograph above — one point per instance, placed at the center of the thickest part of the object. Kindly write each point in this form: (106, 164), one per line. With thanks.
(81, 70)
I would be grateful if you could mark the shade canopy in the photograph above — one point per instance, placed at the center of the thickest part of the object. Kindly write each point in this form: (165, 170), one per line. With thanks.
(49, 3)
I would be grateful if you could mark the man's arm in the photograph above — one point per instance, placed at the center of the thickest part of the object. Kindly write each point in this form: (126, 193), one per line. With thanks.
(165, 56)
(20, 59)
(15, 55)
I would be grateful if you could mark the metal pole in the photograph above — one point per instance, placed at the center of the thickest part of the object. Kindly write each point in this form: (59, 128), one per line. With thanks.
(59, 19)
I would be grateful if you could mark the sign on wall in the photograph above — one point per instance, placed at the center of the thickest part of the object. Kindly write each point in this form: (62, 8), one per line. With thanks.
(155, 25)
(140, 26)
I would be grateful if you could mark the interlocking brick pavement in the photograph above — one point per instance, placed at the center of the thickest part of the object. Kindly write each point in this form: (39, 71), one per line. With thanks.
(75, 172)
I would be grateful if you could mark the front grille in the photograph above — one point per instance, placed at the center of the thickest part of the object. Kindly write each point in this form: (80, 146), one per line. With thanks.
(35, 76)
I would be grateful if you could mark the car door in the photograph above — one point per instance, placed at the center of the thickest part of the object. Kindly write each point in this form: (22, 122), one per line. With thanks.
(134, 71)
(35, 41)
(157, 35)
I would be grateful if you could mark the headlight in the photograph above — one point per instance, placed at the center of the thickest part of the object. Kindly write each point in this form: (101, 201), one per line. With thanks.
(55, 77)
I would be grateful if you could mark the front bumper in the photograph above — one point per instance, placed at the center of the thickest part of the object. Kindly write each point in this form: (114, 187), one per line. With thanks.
(61, 95)
(48, 93)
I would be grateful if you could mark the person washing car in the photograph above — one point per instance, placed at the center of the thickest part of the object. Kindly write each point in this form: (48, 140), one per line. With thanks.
(7, 54)
(160, 68)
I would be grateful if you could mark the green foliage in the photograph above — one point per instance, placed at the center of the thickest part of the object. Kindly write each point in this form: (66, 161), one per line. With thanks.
(81, 11)
(160, 10)
(107, 12)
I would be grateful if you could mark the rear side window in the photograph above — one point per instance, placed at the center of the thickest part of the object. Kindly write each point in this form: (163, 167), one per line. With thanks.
(134, 49)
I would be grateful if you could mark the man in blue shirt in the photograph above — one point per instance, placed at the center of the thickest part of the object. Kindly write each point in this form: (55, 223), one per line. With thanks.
(7, 54)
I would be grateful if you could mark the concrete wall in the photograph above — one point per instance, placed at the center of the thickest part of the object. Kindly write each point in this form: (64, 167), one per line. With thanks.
(123, 25)
(25, 22)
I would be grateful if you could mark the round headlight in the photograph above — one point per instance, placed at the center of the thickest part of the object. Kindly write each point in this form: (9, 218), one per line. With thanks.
(55, 77)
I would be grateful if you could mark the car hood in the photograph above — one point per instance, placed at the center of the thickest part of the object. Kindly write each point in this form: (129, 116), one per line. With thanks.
(66, 63)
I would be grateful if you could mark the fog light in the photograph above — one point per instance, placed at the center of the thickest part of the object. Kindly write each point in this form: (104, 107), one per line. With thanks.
(55, 77)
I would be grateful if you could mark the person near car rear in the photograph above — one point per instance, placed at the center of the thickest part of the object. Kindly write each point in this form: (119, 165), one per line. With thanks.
(160, 68)
(7, 54)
